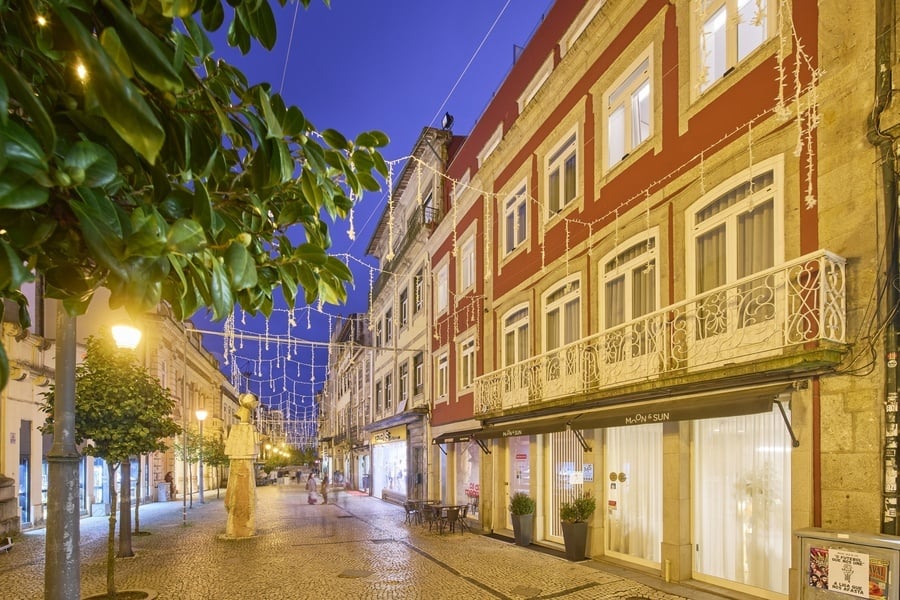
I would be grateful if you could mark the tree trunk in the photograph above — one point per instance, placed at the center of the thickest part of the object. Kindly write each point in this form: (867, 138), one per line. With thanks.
(111, 540)
(125, 512)
(137, 497)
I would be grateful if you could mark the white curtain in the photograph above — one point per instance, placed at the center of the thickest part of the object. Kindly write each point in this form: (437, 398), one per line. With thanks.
(742, 500)
(635, 521)
(566, 456)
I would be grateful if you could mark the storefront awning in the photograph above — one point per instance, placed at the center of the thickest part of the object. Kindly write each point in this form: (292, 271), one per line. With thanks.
(451, 437)
(723, 403)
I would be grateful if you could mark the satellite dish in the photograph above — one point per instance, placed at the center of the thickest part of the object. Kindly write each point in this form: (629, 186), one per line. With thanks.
(447, 121)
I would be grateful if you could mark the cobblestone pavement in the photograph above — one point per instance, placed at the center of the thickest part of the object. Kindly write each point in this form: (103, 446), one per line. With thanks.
(358, 547)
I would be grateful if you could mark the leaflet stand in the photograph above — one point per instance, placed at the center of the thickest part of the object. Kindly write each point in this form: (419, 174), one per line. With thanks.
(841, 565)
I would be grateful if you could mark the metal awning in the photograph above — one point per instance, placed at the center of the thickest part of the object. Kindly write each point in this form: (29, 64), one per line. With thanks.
(721, 403)
(452, 437)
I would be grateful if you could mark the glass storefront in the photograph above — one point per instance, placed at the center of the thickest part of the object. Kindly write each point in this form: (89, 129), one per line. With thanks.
(634, 492)
(742, 499)
(565, 464)
(518, 469)
(468, 475)
(389, 456)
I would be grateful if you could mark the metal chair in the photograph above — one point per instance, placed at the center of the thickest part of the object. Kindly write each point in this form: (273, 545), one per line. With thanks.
(451, 519)
(412, 512)
(431, 515)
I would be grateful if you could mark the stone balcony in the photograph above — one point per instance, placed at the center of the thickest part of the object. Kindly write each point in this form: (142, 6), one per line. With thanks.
(789, 320)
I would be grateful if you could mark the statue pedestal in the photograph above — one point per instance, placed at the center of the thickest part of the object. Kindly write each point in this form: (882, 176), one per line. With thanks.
(240, 495)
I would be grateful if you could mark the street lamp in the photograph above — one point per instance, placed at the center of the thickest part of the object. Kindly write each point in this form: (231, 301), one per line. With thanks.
(126, 336)
(201, 416)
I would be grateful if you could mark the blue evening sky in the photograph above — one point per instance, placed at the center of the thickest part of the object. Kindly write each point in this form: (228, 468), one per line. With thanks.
(392, 65)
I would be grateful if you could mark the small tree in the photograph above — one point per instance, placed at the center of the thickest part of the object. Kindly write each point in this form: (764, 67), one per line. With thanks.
(187, 450)
(214, 456)
(121, 411)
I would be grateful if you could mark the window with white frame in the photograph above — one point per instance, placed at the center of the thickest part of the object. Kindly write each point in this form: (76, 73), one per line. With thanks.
(388, 392)
(379, 333)
(562, 175)
(629, 279)
(562, 314)
(442, 301)
(515, 220)
(404, 381)
(729, 30)
(736, 234)
(379, 394)
(515, 336)
(429, 210)
(629, 110)
(467, 363)
(443, 375)
(467, 264)
(418, 290)
(389, 326)
(404, 307)
(418, 373)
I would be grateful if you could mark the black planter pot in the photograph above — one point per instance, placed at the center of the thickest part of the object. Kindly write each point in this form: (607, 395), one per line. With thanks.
(523, 529)
(575, 538)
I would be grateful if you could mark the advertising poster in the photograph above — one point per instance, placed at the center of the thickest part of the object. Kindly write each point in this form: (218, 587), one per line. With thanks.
(853, 573)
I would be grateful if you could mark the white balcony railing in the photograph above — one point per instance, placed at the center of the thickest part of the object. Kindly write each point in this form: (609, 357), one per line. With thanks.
(760, 316)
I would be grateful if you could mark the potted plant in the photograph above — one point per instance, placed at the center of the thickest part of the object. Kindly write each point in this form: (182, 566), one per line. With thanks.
(574, 516)
(521, 508)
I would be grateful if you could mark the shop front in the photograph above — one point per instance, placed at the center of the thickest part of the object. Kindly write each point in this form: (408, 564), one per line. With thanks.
(389, 463)
(459, 461)
(714, 471)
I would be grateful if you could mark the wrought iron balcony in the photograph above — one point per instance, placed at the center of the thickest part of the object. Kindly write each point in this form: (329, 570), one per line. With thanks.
(763, 316)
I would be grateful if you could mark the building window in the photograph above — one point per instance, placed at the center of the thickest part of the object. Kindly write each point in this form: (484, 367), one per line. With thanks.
(389, 326)
(629, 110)
(418, 290)
(378, 396)
(562, 311)
(388, 392)
(562, 175)
(467, 264)
(379, 335)
(404, 381)
(515, 336)
(467, 363)
(734, 238)
(443, 376)
(629, 292)
(515, 220)
(443, 292)
(419, 373)
(729, 30)
(404, 308)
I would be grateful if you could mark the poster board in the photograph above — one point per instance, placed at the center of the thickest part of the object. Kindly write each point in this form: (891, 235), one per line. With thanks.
(844, 565)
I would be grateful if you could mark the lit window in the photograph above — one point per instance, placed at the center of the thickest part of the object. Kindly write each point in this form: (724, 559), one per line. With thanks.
(467, 363)
(562, 175)
(443, 376)
(629, 113)
(515, 221)
(443, 292)
(729, 31)
(467, 264)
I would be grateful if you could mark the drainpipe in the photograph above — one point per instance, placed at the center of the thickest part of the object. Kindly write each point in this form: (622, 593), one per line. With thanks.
(884, 24)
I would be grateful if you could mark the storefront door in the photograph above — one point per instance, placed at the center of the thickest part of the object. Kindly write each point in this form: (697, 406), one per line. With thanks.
(742, 501)
(634, 493)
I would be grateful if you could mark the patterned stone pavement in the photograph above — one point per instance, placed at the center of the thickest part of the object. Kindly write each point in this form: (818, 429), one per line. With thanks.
(357, 547)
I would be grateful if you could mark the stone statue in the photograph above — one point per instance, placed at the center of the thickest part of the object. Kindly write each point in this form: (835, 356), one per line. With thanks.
(241, 447)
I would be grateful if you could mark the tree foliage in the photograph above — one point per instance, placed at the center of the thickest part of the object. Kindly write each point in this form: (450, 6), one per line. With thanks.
(121, 410)
(132, 159)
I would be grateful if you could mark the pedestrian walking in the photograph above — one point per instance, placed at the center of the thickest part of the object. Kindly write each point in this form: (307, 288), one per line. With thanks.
(324, 489)
(311, 489)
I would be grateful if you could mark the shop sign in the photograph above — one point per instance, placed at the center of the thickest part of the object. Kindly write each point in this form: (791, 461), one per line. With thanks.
(386, 436)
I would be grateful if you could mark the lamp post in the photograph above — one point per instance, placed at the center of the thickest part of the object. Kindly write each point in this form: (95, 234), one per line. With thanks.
(201, 416)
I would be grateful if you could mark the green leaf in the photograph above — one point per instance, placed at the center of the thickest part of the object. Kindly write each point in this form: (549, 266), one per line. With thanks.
(120, 102)
(272, 122)
(144, 48)
(222, 298)
(20, 90)
(241, 267)
(311, 253)
(335, 139)
(110, 41)
(12, 269)
(20, 192)
(97, 166)
(338, 269)
(367, 181)
(4, 367)
(186, 236)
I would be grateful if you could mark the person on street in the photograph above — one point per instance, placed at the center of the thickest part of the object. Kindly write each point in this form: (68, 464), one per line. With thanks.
(324, 489)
